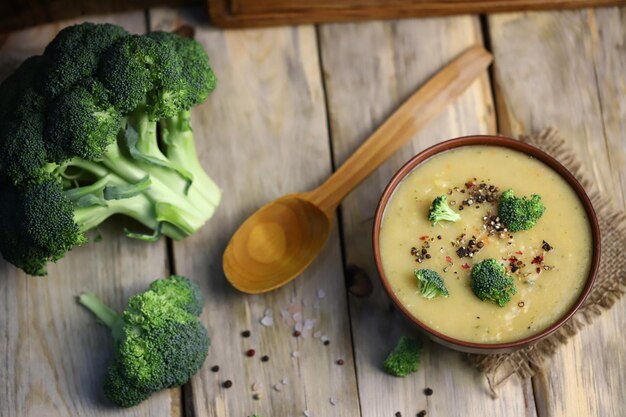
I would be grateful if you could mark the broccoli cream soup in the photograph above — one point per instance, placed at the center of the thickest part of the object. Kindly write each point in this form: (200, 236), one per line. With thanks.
(549, 263)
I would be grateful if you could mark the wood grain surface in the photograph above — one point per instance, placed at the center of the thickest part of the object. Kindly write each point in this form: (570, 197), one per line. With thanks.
(369, 69)
(568, 73)
(255, 13)
(262, 134)
(15, 15)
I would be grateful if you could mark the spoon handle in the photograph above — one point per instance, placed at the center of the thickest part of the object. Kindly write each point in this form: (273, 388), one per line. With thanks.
(419, 109)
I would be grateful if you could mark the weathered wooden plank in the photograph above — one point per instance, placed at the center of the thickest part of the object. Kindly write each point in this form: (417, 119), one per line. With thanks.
(261, 134)
(369, 69)
(54, 354)
(569, 72)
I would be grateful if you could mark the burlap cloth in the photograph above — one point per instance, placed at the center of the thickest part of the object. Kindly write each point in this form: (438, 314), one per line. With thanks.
(608, 288)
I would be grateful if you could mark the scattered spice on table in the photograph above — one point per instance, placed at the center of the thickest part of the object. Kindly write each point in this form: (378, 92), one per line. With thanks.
(332, 401)
(257, 396)
(250, 353)
(297, 333)
(398, 414)
(215, 368)
(227, 384)
(421, 413)
(265, 358)
(326, 342)
(245, 333)
(340, 362)
(428, 391)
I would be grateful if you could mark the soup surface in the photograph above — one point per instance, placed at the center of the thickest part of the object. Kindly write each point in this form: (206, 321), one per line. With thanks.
(549, 262)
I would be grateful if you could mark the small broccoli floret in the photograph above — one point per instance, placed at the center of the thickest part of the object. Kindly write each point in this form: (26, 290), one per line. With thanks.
(431, 285)
(82, 123)
(404, 358)
(75, 53)
(489, 281)
(519, 213)
(84, 117)
(160, 341)
(36, 224)
(180, 291)
(120, 391)
(440, 211)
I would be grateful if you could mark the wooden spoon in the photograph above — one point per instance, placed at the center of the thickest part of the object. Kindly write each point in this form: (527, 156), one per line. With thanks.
(282, 238)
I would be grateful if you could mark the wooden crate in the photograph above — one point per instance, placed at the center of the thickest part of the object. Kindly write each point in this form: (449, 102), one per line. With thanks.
(248, 13)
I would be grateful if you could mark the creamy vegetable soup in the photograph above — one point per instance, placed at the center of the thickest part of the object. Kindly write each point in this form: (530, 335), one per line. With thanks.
(549, 262)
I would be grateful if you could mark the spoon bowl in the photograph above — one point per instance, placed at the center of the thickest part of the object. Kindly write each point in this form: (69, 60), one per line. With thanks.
(276, 244)
(281, 239)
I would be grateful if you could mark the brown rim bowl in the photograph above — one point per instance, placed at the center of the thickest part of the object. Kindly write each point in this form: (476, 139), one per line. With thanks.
(527, 149)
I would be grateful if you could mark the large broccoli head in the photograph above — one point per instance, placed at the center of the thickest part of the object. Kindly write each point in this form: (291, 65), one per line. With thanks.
(520, 213)
(160, 342)
(489, 281)
(82, 118)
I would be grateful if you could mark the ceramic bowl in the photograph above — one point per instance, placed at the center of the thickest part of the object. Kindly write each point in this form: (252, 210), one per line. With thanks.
(538, 154)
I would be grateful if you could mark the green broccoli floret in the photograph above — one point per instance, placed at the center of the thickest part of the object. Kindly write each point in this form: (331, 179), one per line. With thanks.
(404, 358)
(489, 281)
(440, 210)
(159, 340)
(84, 119)
(431, 285)
(519, 213)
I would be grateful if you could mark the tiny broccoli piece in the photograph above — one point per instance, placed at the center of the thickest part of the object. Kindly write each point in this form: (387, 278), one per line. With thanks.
(404, 358)
(431, 285)
(440, 210)
(520, 213)
(160, 341)
(489, 281)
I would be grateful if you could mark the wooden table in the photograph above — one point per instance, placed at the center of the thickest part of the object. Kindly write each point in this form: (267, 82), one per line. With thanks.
(292, 103)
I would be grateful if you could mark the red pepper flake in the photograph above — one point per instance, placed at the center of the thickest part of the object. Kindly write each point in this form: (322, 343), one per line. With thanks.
(250, 353)
(537, 259)
(512, 259)
(296, 333)
(424, 237)
(519, 252)
(465, 266)
(448, 259)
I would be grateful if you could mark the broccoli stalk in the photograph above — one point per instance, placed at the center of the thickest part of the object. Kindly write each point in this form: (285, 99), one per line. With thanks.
(489, 281)
(159, 341)
(430, 283)
(519, 213)
(440, 211)
(404, 358)
(80, 142)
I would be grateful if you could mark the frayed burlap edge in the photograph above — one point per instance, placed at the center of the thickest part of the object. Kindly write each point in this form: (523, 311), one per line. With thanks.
(610, 283)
